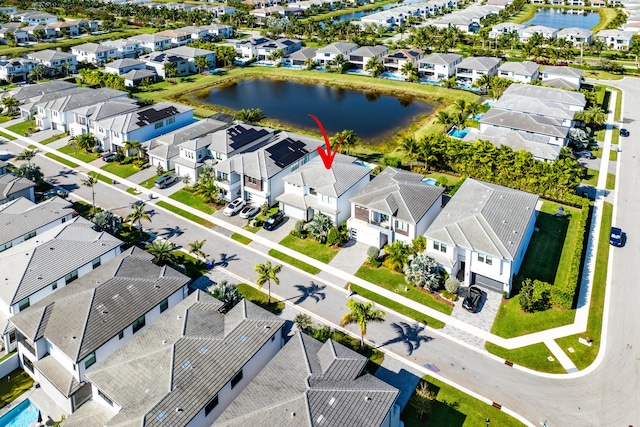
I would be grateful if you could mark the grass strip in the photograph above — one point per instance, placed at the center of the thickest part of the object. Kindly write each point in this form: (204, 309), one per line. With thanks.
(79, 154)
(240, 238)
(259, 298)
(101, 177)
(123, 171)
(61, 160)
(185, 214)
(192, 200)
(7, 136)
(532, 357)
(54, 138)
(310, 248)
(294, 261)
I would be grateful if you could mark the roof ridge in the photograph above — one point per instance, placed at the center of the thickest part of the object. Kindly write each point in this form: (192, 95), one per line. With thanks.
(490, 237)
(86, 322)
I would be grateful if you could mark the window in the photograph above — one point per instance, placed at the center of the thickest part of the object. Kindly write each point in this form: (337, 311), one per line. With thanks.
(105, 398)
(487, 259)
(90, 360)
(27, 363)
(71, 277)
(96, 262)
(54, 286)
(211, 405)
(439, 246)
(138, 324)
(251, 180)
(158, 125)
(5, 246)
(171, 120)
(403, 226)
(22, 305)
(235, 380)
(326, 199)
(120, 335)
(164, 305)
(218, 156)
(30, 235)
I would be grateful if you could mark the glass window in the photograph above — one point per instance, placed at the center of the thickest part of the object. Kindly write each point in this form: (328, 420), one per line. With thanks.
(89, 360)
(235, 380)
(158, 125)
(171, 120)
(211, 405)
(71, 277)
(138, 324)
(439, 246)
(96, 262)
(120, 335)
(105, 398)
(5, 246)
(54, 286)
(24, 304)
(487, 259)
(164, 305)
(402, 226)
(30, 235)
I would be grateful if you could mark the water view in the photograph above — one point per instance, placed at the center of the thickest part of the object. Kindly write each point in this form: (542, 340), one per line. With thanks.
(360, 14)
(564, 18)
(371, 115)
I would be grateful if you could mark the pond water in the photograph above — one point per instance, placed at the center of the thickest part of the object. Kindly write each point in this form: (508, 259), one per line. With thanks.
(371, 115)
(360, 14)
(564, 18)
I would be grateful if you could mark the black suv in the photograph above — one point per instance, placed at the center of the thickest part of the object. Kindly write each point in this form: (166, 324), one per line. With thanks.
(273, 221)
(471, 301)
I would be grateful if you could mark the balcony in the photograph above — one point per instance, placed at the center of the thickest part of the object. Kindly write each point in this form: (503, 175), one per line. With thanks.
(382, 224)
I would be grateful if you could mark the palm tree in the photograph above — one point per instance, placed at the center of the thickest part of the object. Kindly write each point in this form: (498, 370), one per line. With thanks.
(170, 69)
(483, 81)
(132, 145)
(410, 71)
(138, 214)
(251, 115)
(91, 181)
(427, 151)
(38, 72)
(84, 141)
(27, 154)
(319, 227)
(10, 103)
(396, 255)
(410, 146)
(208, 190)
(201, 62)
(163, 251)
(338, 62)
(267, 274)
(449, 83)
(276, 55)
(362, 314)
(444, 118)
(195, 248)
(226, 293)
(310, 63)
(374, 66)
(460, 105)
(349, 139)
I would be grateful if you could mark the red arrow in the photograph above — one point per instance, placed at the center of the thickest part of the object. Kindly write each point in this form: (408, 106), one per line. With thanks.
(326, 153)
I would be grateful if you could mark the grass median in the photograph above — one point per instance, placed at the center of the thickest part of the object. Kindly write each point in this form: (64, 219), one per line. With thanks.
(61, 160)
(294, 261)
(532, 356)
(310, 248)
(259, 297)
(185, 214)
(240, 238)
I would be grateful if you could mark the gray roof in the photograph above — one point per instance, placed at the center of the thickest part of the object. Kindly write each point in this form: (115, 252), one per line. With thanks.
(82, 316)
(622, 35)
(400, 194)
(92, 48)
(57, 375)
(182, 360)
(486, 218)
(194, 130)
(336, 48)
(119, 43)
(479, 63)
(525, 68)
(574, 31)
(188, 52)
(561, 83)
(128, 122)
(48, 55)
(369, 51)
(538, 29)
(303, 54)
(309, 383)
(562, 71)
(122, 63)
(135, 75)
(551, 94)
(537, 106)
(235, 138)
(81, 99)
(110, 108)
(526, 122)
(146, 38)
(50, 256)
(10, 185)
(538, 145)
(21, 216)
(441, 58)
(29, 91)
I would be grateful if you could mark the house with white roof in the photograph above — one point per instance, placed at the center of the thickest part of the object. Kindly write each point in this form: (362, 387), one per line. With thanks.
(574, 101)
(183, 57)
(32, 17)
(577, 36)
(518, 121)
(152, 42)
(85, 118)
(562, 77)
(287, 46)
(472, 68)
(56, 61)
(220, 31)
(248, 48)
(395, 205)
(538, 145)
(95, 53)
(63, 336)
(127, 48)
(319, 381)
(546, 32)
(313, 189)
(196, 358)
(123, 66)
(536, 107)
(521, 72)
(12, 187)
(482, 234)
(325, 55)
(178, 37)
(256, 175)
(615, 39)
(359, 57)
(438, 66)
(16, 70)
(21, 35)
(504, 28)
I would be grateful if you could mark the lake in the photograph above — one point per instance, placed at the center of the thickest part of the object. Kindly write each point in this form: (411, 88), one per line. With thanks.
(360, 14)
(555, 18)
(371, 115)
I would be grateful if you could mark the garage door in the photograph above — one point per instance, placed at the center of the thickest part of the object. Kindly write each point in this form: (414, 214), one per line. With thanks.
(488, 283)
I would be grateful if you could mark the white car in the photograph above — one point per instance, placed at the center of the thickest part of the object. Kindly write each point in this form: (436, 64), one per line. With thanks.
(249, 211)
(234, 207)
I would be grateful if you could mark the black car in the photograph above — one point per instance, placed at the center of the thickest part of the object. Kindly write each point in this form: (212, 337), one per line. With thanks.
(624, 132)
(471, 301)
(273, 221)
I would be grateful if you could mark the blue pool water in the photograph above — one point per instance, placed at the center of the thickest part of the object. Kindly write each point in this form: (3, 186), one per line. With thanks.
(488, 103)
(430, 181)
(391, 76)
(477, 116)
(455, 133)
(22, 415)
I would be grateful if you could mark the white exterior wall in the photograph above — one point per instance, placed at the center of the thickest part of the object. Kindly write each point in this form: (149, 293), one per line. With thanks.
(181, 170)
(428, 217)
(343, 204)
(97, 398)
(41, 230)
(53, 392)
(293, 212)
(526, 239)
(500, 269)
(61, 358)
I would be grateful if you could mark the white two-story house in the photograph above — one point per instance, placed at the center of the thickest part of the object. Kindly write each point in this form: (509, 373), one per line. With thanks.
(85, 118)
(248, 48)
(362, 55)
(615, 39)
(482, 234)
(521, 72)
(472, 68)
(127, 48)
(438, 66)
(504, 29)
(325, 55)
(577, 36)
(95, 53)
(562, 77)
(547, 33)
(152, 42)
(57, 62)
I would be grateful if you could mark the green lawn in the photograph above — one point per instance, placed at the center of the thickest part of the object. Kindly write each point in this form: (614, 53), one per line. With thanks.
(21, 128)
(149, 183)
(192, 266)
(453, 408)
(396, 306)
(7, 136)
(4, 118)
(584, 356)
(591, 177)
(602, 75)
(294, 262)
(102, 178)
(190, 199)
(310, 248)
(61, 160)
(611, 181)
(395, 282)
(512, 321)
(240, 238)
(53, 138)
(123, 171)
(613, 155)
(79, 154)
(13, 385)
(185, 214)
(532, 357)
(259, 297)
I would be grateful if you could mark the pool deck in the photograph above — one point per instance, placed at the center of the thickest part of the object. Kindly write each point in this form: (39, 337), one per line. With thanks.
(48, 408)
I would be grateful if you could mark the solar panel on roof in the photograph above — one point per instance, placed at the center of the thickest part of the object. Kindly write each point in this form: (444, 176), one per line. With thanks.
(286, 152)
(241, 136)
(152, 115)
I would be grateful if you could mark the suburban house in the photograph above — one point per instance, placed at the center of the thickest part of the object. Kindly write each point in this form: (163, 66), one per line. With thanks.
(577, 36)
(550, 127)
(538, 145)
(178, 37)
(95, 53)
(362, 55)
(219, 31)
(574, 101)
(546, 32)
(32, 17)
(300, 57)
(85, 118)
(615, 39)
(463, 23)
(316, 381)
(57, 112)
(184, 369)
(257, 175)
(123, 66)
(537, 107)
(54, 60)
(438, 66)
(287, 46)
(15, 70)
(35, 35)
(470, 69)
(69, 28)
(127, 48)
(20, 34)
(47, 262)
(142, 124)
(183, 57)
(521, 72)
(31, 93)
(482, 234)
(393, 61)
(313, 189)
(12, 187)
(61, 337)
(504, 29)
(152, 42)
(395, 205)
(22, 219)
(325, 55)
(562, 77)
(248, 48)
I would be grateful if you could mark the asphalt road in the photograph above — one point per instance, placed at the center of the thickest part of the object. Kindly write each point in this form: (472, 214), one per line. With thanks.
(606, 395)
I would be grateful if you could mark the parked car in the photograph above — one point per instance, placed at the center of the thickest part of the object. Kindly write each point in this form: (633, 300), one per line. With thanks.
(273, 221)
(471, 301)
(624, 132)
(249, 211)
(5, 155)
(586, 154)
(234, 207)
(109, 157)
(166, 180)
(615, 237)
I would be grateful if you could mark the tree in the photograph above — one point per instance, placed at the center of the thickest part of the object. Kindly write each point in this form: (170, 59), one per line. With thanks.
(138, 214)
(201, 62)
(91, 181)
(310, 63)
(319, 226)
(251, 115)
(374, 66)
(39, 34)
(38, 72)
(373, 253)
(267, 274)
(452, 285)
(30, 172)
(208, 190)
(303, 321)
(338, 63)
(133, 145)
(409, 71)
(418, 245)
(277, 55)
(84, 141)
(349, 139)
(410, 147)
(361, 314)
(10, 103)
(443, 118)
(107, 221)
(162, 250)
(195, 248)
(170, 69)
(421, 400)
(396, 255)
(27, 154)
(225, 292)
(423, 271)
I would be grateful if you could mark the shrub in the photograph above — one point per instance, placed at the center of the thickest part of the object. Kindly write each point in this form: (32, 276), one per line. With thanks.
(333, 237)
(418, 245)
(451, 296)
(159, 170)
(394, 162)
(298, 230)
(534, 295)
(452, 285)
(442, 181)
(373, 253)
(423, 271)
(374, 263)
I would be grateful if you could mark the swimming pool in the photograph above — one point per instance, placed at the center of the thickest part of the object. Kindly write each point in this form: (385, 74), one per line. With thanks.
(430, 181)
(456, 133)
(391, 76)
(22, 415)
(488, 103)
(477, 116)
